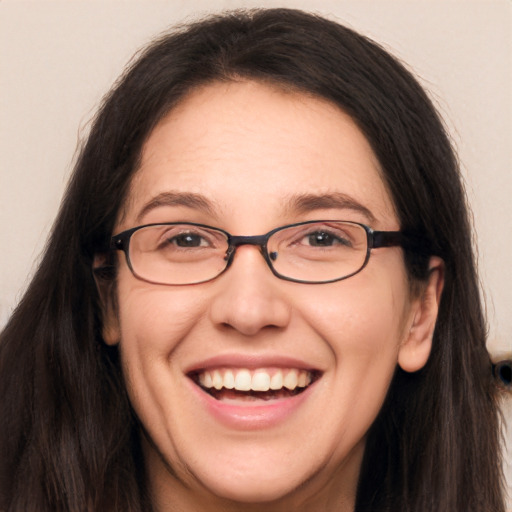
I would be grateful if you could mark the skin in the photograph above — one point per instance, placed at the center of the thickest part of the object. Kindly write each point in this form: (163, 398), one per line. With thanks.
(247, 148)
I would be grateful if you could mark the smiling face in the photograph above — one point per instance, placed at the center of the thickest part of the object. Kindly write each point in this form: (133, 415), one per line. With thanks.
(248, 158)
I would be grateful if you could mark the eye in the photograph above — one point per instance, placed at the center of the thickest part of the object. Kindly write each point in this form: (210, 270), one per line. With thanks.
(183, 238)
(326, 239)
(322, 239)
(188, 240)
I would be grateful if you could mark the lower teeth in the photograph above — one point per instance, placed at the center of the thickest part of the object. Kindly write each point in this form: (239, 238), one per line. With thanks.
(251, 396)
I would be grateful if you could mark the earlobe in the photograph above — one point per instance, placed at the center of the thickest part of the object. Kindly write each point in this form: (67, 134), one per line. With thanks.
(110, 330)
(415, 350)
(106, 292)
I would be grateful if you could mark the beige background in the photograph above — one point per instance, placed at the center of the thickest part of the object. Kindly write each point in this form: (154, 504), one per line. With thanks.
(57, 59)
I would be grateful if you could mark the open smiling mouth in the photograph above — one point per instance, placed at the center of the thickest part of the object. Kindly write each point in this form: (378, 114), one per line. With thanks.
(229, 384)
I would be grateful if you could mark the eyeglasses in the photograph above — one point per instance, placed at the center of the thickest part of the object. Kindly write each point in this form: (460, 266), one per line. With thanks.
(320, 251)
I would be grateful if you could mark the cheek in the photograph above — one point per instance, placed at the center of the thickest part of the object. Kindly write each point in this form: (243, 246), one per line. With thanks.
(362, 321)
(153, 322)
(359, 317)
(155, 318)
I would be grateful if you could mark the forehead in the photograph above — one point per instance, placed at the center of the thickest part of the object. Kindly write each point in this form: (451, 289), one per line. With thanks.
(251, 148)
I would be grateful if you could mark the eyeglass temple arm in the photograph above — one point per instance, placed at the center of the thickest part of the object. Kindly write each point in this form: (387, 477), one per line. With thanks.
(387, 239)
(408, 241)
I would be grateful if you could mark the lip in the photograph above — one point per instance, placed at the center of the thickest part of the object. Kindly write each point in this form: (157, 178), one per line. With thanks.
(251, 415)
(251, 362)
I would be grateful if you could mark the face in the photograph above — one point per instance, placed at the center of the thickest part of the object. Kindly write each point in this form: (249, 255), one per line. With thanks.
(239, 156)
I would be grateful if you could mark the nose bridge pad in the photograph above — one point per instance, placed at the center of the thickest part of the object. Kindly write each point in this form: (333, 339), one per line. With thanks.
(267, 256)
(259, 240)
(229, 254)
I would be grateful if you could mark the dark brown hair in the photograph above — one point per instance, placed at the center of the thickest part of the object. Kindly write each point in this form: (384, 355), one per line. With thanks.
(69, 440)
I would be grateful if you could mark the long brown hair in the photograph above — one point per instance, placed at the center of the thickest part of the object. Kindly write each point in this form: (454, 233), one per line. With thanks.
(69, 440)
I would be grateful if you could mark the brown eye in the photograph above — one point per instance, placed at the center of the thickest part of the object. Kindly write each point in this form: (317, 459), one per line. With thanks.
(320, 239)
(188, 240)
(326, 239)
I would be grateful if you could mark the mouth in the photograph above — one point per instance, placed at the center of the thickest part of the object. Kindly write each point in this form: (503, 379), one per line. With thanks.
(251, 385)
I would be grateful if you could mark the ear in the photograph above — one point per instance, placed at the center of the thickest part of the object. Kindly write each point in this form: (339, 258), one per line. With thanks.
(415, 350)
(105, 285)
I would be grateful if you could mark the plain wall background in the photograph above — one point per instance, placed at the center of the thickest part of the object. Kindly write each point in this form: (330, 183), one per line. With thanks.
(58, 58)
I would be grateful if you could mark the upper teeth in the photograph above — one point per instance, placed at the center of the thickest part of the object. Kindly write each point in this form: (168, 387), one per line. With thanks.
(255, 380)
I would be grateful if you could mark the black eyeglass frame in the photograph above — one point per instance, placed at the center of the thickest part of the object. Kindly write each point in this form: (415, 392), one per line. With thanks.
(375, 240)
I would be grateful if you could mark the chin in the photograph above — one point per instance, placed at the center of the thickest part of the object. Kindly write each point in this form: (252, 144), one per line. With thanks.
(250, 489)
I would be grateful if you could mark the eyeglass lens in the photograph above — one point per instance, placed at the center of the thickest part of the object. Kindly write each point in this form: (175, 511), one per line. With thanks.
(188, 254)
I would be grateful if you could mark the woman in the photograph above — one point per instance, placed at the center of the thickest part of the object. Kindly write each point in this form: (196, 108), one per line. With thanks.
(295, 321)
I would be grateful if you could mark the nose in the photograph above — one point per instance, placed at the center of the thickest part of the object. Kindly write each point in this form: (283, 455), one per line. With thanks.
(248, 297)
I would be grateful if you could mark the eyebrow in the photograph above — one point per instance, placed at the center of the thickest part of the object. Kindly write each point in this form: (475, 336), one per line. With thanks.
(297, 204)
(305, 203)
(188, 199)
